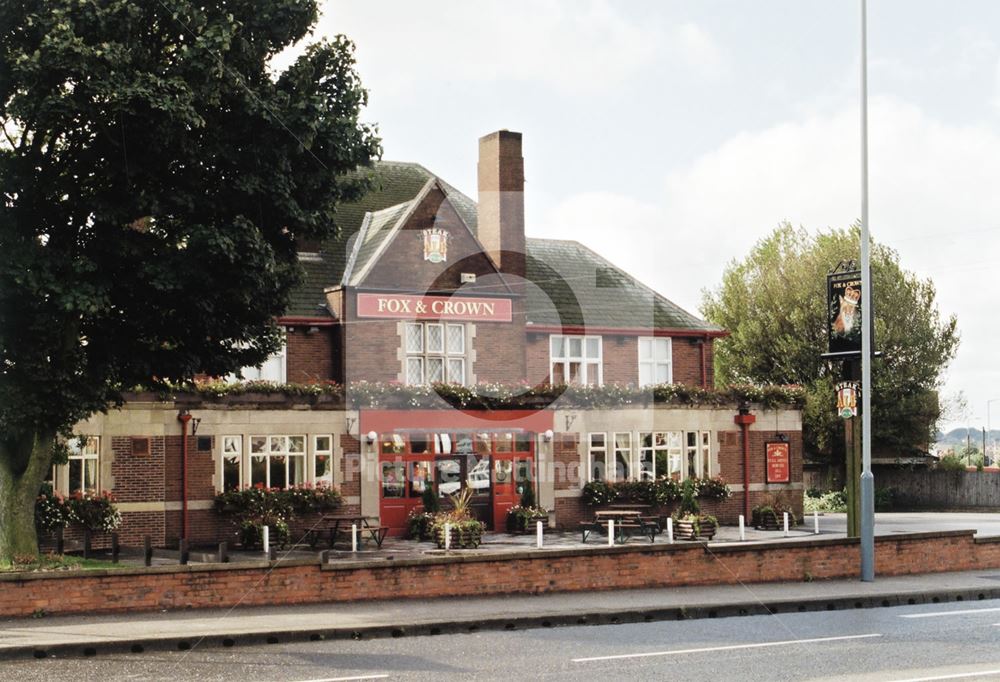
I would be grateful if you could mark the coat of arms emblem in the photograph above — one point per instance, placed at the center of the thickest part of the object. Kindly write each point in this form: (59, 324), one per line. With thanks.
(435, 245)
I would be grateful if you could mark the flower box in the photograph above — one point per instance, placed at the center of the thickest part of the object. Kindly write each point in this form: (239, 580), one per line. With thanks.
(701, 528)
(519, 524)
(463, 536)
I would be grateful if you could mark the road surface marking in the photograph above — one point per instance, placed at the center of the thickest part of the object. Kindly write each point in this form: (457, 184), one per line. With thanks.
(345, 679)
(759, 645)
(935, 614)
(956, 676)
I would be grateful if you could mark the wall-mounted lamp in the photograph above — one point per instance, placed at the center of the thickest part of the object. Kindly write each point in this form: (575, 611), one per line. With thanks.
(783, 437)
(547, 436)
(371, 437)
(744, 407)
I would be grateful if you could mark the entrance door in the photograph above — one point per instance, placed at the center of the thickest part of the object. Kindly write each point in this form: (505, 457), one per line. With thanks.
(513, 461)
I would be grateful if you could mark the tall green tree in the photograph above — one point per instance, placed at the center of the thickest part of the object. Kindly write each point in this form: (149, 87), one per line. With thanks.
(155, 177)
(774, 303)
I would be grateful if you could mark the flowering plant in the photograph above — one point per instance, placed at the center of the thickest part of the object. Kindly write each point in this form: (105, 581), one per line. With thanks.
(95, 511)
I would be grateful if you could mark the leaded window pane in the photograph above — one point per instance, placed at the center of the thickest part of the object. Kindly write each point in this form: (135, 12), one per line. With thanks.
(435, 370)
(435, 338)
(593, 347)
(414, 338)
(456, 339)
(296, 443)
(415, 371)
(456, 370)
(258, 444)
(576, 347)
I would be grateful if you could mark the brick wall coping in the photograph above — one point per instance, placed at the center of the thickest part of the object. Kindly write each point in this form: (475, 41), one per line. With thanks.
(518, 555)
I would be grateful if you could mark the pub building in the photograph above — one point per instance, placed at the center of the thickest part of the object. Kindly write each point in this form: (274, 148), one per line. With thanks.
(423, 286)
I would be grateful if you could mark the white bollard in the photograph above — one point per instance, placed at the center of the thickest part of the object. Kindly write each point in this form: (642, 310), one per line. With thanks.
(743, 530)
(267, 541)
(538, 534)
(670, 530)
(611, 531)
(447, 536)
(816, 523)
(354, 537)
(786, 524)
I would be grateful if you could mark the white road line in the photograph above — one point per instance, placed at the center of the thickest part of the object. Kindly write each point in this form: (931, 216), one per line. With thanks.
(759, 645)
(956, 676)
(345, 679)
(936, 614)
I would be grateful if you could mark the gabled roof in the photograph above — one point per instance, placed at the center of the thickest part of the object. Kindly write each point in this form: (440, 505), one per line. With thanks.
(576, 286)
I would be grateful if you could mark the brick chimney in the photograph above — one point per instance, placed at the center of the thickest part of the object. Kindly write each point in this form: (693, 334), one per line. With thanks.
(501, 200)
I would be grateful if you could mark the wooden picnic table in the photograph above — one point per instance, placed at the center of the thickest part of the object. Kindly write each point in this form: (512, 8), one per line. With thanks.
(627, 522)
(335, 526)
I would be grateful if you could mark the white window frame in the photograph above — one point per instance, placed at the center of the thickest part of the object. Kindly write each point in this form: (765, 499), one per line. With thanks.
(90, 451)
(583, 359)
(236, 440)
(591, 451)
(630, 456)
(316, 451)
(269, 451)
(655, 360)
(274, 368)
(446, 354)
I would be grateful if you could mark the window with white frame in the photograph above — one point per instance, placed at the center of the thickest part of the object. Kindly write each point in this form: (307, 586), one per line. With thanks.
(323, 460)
(623, 456)
(272, 369)
(661, 453)
(655, 361)
(231, 475)
(698, 452)
(575, 360)
(597, 457)
(277, 461)
(435, 353)
(84, 464)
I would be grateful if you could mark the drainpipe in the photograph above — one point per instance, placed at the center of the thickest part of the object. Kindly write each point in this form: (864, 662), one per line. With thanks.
(184, 417)
(745, 419)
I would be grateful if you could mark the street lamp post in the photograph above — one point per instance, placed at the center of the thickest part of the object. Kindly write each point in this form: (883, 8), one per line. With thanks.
(867, 479)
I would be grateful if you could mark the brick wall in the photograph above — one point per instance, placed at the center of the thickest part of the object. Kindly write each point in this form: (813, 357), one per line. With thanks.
(138, 477)
(596, 568)
(309, 355)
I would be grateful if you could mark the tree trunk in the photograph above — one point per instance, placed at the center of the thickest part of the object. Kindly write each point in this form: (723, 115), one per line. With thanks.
(23, 464)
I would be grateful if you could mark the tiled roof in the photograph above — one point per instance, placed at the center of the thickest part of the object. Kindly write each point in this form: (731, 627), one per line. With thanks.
(575, 286)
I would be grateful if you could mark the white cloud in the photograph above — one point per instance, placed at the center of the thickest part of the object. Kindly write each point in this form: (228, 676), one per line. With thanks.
(698, 49)
(933, 198)
(572, 47)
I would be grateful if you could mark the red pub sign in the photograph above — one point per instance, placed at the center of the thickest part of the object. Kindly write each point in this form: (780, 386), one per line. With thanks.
(779, 468)
(410, 307)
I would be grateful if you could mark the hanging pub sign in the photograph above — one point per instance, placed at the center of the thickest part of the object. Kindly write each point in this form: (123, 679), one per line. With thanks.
(847, 399)
(778, 455)
(843, 301)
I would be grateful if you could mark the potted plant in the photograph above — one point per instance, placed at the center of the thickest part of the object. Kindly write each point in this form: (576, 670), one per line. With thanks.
(419, 522)
(521, 518)
(689, 522)
(464, 531)
(769, 515)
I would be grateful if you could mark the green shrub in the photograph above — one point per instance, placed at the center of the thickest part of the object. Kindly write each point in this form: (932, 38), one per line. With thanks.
(950, 463)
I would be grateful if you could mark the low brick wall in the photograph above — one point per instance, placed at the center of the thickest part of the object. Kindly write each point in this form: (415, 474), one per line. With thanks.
(527, 572)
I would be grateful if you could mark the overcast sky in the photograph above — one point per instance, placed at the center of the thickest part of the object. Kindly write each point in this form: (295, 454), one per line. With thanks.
(670, 136)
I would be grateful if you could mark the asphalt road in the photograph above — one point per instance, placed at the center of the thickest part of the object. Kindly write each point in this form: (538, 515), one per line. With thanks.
(956, 641)
(984, 523)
